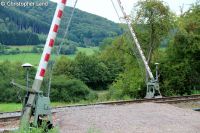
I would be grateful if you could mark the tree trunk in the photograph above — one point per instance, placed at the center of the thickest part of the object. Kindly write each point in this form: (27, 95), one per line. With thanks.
(151, 43)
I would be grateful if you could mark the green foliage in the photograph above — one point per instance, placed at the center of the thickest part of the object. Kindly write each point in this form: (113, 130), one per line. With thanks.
(196, 92)
(153, 21)
(127, 85)
(106, 42)
(64, 66)
(130, 79)
(68, 50)
(113, 57)
(180, 69)
(8, 72)
(93, 70)
(17, 38)
(90, 70)
(181, 72)
(42, 129)
(67, 90)
(190, 20)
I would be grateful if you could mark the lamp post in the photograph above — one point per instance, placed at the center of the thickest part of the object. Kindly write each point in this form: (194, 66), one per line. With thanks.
(157, 69)
(27, 66)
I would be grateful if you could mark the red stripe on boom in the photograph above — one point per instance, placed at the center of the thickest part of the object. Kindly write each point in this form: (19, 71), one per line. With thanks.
(42, 72)
(60, 13)
(55, 29)
(46, 58)
(51, 43)
(64, 1)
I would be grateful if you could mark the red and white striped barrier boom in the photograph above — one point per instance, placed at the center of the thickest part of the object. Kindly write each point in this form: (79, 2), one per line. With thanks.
(26, 115)
(50, 40)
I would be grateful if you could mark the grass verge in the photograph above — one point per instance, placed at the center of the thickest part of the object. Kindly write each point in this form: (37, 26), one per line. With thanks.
(34, 58)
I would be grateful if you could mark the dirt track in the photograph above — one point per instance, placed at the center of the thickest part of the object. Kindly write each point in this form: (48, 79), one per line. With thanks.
(132, 118)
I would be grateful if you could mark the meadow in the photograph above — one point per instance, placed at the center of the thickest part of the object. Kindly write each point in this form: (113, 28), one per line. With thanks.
(34, 58)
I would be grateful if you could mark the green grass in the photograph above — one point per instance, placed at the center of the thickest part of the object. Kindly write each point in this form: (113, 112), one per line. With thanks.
(102, 95)
(195, 92)
(22, 48)
(25, 57)
(94, 130)
(9, 107)
(35, 58)
(88, 51)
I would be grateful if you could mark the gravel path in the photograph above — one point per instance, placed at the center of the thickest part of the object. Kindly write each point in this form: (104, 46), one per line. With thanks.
(130, 118)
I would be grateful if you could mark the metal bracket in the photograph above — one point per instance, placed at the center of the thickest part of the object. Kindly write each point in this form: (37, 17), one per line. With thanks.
(153, 90)
(42, 109)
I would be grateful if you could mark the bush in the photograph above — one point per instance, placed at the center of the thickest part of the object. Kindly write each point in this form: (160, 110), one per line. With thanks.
(128, 85)
(8, 93)
(73, 90)
(68, 50)
(12, 71)
(180, 70)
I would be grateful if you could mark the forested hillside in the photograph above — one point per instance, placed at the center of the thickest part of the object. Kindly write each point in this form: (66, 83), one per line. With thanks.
(85, 29)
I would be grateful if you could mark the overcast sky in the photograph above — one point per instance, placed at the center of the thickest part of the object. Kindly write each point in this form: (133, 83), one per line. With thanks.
(105, 9)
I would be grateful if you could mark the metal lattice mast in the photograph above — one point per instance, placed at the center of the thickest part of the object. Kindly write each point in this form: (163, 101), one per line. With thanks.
(27, 112)
(136, 41)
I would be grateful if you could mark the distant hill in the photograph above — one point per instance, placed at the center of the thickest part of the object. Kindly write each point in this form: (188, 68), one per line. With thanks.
(85, 29)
